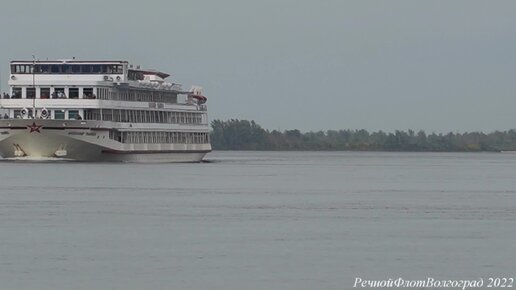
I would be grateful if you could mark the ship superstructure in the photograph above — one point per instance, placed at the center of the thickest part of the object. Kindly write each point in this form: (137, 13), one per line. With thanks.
(101, 111)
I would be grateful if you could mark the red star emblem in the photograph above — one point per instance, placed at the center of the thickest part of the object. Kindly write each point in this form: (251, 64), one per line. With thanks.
(34, 127)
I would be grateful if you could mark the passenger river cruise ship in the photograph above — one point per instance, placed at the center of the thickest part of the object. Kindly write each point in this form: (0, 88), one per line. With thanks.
(100, 111)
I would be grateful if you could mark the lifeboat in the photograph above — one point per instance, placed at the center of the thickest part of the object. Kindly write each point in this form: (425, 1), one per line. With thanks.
(200, 99)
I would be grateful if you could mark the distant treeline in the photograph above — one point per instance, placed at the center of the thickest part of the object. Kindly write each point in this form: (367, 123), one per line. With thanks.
(247, 135)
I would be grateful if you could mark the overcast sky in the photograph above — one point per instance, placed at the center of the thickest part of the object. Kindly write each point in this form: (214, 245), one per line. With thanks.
(379, 65)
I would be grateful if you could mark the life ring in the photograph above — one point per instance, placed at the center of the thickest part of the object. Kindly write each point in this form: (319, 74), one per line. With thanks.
(44, 113)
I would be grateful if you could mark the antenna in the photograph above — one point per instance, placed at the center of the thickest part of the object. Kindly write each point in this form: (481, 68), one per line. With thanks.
(34, 86)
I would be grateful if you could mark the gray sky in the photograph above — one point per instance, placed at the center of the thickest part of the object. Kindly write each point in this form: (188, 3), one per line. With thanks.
(380, 65)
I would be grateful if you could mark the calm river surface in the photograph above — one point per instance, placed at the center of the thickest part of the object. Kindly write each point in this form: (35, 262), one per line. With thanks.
(258, 220)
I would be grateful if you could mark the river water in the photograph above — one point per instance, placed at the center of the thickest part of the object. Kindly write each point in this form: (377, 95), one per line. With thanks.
(258, 220)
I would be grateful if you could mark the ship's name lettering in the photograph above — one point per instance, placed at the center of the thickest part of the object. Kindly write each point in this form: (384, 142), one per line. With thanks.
(76, 133)
(4, 133)
(91, 134)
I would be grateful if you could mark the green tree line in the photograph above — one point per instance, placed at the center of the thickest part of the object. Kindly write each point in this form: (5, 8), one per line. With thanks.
(237, 134)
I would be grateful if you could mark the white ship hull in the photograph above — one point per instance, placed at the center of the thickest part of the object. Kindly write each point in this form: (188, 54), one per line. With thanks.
(85, 141)
(100, 111)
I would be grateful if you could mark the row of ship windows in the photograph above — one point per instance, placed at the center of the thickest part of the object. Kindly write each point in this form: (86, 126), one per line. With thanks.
(92, 93)
(51, 93)
(67, 69)
(143, 116)
(49, 114)
(160, 137)
(124, 116)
